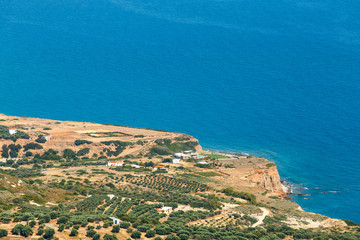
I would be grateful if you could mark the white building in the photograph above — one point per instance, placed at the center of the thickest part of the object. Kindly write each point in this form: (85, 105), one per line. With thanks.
(178, 155)
(114, 164)
(12, 131)
(202, 163)
(182, 156)
(47, 138)
(160, 168)
(197, 156)
(115, 220)
(176, 160)
(164, 210)
(136, 166)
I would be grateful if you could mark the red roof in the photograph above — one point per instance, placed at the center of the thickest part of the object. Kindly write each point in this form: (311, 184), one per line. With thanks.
(114, 162)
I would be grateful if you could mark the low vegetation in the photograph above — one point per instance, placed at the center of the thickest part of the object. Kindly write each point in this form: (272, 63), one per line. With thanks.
(70, 193)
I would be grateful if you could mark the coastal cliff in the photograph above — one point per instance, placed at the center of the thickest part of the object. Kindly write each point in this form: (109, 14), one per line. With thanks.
(269, 179)
(43, 155)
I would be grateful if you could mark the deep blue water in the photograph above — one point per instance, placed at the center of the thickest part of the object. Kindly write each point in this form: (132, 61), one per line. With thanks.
(276, 78)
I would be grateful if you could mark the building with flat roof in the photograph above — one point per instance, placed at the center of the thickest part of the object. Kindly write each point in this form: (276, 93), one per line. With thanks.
(115, 220)
(164, 210)
(12, 131)
(176, 160)
(202, 163)
(114, 164)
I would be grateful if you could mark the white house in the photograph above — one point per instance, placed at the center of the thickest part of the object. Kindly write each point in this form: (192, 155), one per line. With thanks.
(202, 163)
(12, 131)
(115, 220)
(136, 166)
(160, 168)
(178, 155)
(182, 156)
(164, 210)
(47, 138)
(176, 160)
(115, 163)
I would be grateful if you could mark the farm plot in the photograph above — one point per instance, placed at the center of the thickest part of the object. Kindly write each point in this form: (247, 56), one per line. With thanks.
(164, 183)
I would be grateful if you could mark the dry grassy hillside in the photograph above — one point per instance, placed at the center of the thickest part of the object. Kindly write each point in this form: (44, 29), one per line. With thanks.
(63, 135)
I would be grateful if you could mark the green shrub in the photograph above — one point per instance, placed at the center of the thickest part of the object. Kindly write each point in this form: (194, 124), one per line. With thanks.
(91, 233)
(183, 236)
(270, 165)
(350, 223)
(83, 152)
(73, 233)
(32, 146)
(150, 233)
(69, 154)
(3, 233)
(22, 230)
(61, 227)
(50, 154)
(40, 139)
(96, 237)
(172, 237)
(116, 229)
(229, 191)
(125, 225)
(110, 237)
(159, 151)
(28, 154)
(49, 233)
(81, 142)
(32, 223)
(144, 227)
(136, 234)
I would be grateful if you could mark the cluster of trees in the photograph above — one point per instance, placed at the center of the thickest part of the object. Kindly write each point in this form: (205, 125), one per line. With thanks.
(23, 172)
(81, 142)
(166, 184)
(190, 216)
(3, 233)
(32, 146)
(146, 211)
(166, 197)
(5, 135)
(167, 147)
(40, 139)
(229, 191)
(176, 146)
(210, 165)
(50, 154)
(10, 151)
(23, 230)
(140, 223)
(83, 152)
(119, 147)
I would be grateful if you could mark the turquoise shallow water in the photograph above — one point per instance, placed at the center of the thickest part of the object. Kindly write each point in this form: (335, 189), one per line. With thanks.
(278, 79)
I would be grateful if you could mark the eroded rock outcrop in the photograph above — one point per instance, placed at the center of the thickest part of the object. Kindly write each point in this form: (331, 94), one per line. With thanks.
(269, 179)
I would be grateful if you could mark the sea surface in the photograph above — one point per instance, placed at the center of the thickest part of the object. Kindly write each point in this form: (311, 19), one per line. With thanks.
(275, 78)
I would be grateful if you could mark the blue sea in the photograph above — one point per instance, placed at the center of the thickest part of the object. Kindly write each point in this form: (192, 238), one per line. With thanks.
(276, 78)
